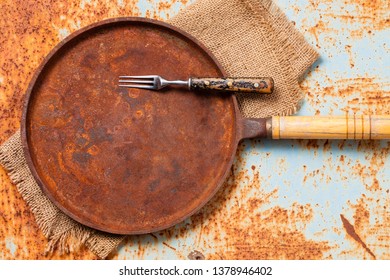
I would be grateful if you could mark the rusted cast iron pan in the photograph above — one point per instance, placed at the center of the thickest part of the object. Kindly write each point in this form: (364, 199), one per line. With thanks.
(128, 161)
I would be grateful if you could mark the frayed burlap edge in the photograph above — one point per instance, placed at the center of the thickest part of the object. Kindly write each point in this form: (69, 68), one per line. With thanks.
(274, 34)
(274, 48)
(295, 55)
(62, 232)
(303, 55)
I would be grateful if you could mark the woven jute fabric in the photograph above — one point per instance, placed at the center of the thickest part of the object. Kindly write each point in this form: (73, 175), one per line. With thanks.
(63, 233)
(252, 38)
(248, 38)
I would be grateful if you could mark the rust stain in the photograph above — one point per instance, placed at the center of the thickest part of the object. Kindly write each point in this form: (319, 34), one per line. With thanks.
(20, 237)
(362, 17)
(240, 223)
(316, 30)
(196, 255)
(30, 29)
(253, 233)
(355, 20)
(377, 156)
(348, 49)
(362, 214)
(362, 95)
(372, 221)
(154, 236)
(351, 232)
(169, 246)
(163, 9)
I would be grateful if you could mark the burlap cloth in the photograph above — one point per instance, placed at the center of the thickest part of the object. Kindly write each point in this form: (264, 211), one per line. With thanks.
(249, 38)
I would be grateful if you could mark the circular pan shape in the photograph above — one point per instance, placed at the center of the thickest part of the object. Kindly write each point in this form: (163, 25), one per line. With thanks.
(127, 161)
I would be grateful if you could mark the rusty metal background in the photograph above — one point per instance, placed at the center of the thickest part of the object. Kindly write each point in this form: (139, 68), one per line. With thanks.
(284, 200)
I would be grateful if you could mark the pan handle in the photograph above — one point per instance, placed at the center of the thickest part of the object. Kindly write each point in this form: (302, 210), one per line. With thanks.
(318, 127)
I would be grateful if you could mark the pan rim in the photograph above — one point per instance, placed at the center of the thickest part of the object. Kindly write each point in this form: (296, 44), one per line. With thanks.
(29, 97)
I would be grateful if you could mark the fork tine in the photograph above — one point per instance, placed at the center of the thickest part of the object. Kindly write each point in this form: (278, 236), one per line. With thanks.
(138, 77)
(136, 81)
(136, 86)
(143, 82)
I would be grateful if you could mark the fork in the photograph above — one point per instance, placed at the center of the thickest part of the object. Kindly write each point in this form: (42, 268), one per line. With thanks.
(155, 82)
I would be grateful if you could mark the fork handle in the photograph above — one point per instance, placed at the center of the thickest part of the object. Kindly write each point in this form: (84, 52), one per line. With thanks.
(253, 85)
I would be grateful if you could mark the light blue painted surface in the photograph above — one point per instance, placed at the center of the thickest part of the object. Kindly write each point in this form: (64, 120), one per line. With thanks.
(326, 177)
(10, 245)
(332, 191)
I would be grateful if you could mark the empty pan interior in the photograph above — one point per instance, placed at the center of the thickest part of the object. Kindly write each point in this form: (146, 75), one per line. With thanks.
(127, 160)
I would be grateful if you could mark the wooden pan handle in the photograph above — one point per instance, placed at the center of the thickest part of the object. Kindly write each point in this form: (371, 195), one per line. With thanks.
(330, 127)
(254, 85)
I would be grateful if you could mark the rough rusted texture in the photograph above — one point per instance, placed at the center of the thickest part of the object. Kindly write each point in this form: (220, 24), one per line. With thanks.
(254, 85)
(351, 232)
(30, 29)
(360, 89)
(20, 237)
(321, 170)
(240, 222)
(122, 160)
(253, 128)
(196, 255)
